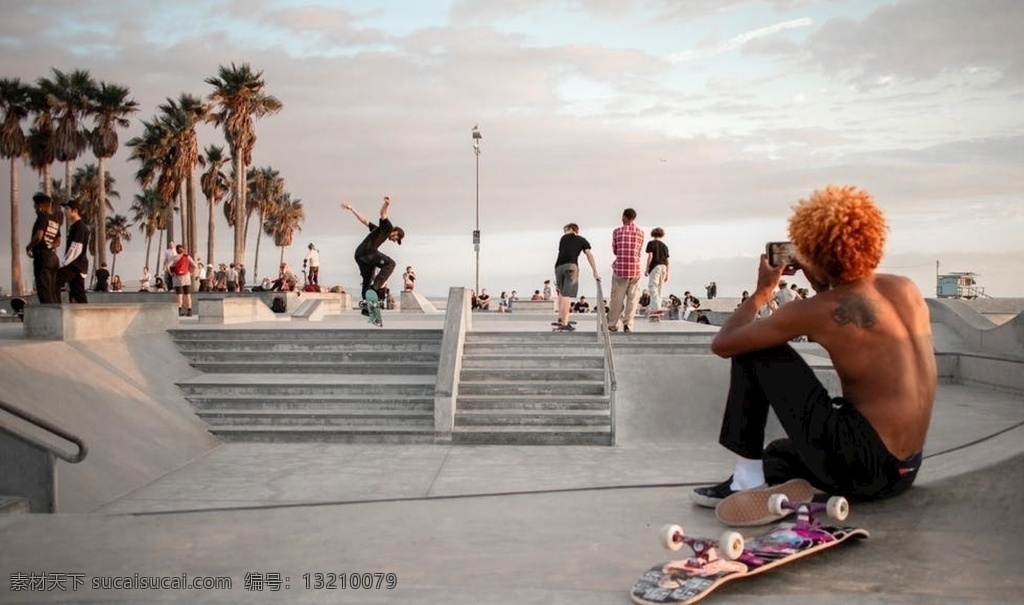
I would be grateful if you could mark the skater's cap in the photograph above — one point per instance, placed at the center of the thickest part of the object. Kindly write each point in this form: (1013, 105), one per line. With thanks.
(401, 234)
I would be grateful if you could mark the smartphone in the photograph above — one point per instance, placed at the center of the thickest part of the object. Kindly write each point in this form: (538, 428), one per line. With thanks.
(782, 253)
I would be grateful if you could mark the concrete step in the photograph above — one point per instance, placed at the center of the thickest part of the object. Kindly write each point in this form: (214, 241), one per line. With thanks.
(539, 360)
(289, 335)
(307, 385)
(298, 365)
(516, 375)
(534, 418)
(531, 436)
(314, 356)
(323, 434)
(550, 402)
(540, 389)
(314, 402)
(349, 419)
(13, 505)
(329, 345)
(537, 339)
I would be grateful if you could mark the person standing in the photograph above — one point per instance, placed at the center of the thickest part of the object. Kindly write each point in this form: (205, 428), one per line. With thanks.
(627, 240)
(102, 276)
(204, 277)
(313, 271)
(75, 264)
(657, 267)
(42, 249)
(240, 268)
(783, 295)
(170, 255)
(375, 267)
(567, 270)
(145, 279)
(182, 269)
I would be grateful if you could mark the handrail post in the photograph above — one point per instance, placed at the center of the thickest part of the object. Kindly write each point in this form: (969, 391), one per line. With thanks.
(457, 322)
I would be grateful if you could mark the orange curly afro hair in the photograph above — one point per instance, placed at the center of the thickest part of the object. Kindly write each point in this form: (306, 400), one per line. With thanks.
(841, 230)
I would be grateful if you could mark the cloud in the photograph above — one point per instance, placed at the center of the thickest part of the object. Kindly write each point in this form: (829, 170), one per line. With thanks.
(738, 41)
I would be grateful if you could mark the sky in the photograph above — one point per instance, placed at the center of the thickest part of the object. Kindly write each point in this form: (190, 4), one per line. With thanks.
(711, 118)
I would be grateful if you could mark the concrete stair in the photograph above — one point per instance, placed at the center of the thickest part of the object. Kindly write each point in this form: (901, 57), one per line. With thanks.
(326, 386)
(532, 388)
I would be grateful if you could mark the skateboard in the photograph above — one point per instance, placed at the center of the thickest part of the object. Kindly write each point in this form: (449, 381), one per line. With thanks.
(373, 307)
(656, 316)
(558, 327)
(715, 562)
(18, 306)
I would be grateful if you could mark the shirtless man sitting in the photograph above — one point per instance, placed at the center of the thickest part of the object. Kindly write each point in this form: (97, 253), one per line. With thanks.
(865, 444)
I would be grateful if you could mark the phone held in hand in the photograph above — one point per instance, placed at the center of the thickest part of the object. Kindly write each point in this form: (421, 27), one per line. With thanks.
(782, 253)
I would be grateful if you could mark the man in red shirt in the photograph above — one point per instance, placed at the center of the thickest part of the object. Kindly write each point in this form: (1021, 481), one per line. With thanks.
(627, 241)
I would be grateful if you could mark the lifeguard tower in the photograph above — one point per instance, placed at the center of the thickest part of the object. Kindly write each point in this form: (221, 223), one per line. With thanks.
(958, 285)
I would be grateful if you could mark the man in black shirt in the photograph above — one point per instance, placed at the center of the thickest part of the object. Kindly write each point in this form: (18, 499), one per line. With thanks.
(657, 267)
(102, 278)
(75, 264)
(42, 249)
(567, 270)
(368, 258)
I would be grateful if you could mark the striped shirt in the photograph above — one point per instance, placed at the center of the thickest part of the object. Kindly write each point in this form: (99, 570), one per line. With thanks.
(627, 242)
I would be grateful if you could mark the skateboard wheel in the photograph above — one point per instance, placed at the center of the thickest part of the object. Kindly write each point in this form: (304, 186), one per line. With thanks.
(672, 537)
(730, 544)
(837, 508)
(777, 504)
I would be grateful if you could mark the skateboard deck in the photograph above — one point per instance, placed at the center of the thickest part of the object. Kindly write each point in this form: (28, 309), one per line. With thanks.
(716, 562)
(373, 307)
(656, 315)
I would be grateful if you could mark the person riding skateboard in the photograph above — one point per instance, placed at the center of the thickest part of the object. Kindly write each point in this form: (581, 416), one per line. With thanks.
(865, 444)
(368, 257)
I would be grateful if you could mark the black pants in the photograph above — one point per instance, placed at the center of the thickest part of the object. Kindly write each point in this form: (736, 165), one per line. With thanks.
(377, 262)
(830, 443)
(72, 276)
(44, 266)
(314, 276)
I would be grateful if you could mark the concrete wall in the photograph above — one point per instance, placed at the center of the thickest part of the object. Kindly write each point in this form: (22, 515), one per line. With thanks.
(119, 396)
(82, 322)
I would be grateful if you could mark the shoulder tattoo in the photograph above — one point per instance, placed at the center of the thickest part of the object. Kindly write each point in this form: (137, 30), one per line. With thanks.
(855, 309)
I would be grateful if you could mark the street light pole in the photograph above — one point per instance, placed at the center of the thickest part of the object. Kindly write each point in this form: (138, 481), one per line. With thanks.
(476, 232)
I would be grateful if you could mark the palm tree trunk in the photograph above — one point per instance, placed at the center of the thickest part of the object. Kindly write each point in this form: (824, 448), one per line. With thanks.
(149, 248)
(239, 252)
(256, 263)
(282, 256)
(183, 216)
(67, 179)
(47, 181)
(209, 239)
(101, 216)
(113, 266)
(193, 223)
(17, 284)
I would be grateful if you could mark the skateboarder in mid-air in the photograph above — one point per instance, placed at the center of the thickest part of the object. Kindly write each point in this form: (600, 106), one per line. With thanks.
(375, 267)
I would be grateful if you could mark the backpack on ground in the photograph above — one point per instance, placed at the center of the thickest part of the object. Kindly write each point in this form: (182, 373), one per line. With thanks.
(278, 305)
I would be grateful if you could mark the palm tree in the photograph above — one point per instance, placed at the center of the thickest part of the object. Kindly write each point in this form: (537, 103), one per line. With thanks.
(40, 139)
(238, 99)
(264, 191)
(215, 186)
(109, 106)
(181, 118)
(155, 151)
(15, 100)
(147, 213)
(284, 221)
(117, 233)
(86, 186)
(69, 95)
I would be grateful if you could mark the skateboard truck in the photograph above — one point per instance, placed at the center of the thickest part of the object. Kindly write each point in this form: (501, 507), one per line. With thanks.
(837, 507)
(729, 545)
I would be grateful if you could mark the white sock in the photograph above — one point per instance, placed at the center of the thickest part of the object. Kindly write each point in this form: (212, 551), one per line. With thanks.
(748, 474)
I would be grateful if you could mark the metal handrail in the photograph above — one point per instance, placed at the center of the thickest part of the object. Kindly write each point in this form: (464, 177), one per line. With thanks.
(605, 335)
(50, 428)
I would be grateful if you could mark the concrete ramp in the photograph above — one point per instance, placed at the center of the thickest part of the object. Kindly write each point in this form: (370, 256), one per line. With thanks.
(119, 396)
(414, 302)
(977, 332)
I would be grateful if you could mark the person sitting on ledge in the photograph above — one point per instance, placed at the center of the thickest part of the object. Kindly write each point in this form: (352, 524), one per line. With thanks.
(865, 444)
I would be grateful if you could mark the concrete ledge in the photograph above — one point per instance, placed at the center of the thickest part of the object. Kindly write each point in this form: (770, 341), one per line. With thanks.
(231, 310)
(309, 310)
(111, 320)
(533, 306)
(414, 302)
(980, 333)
